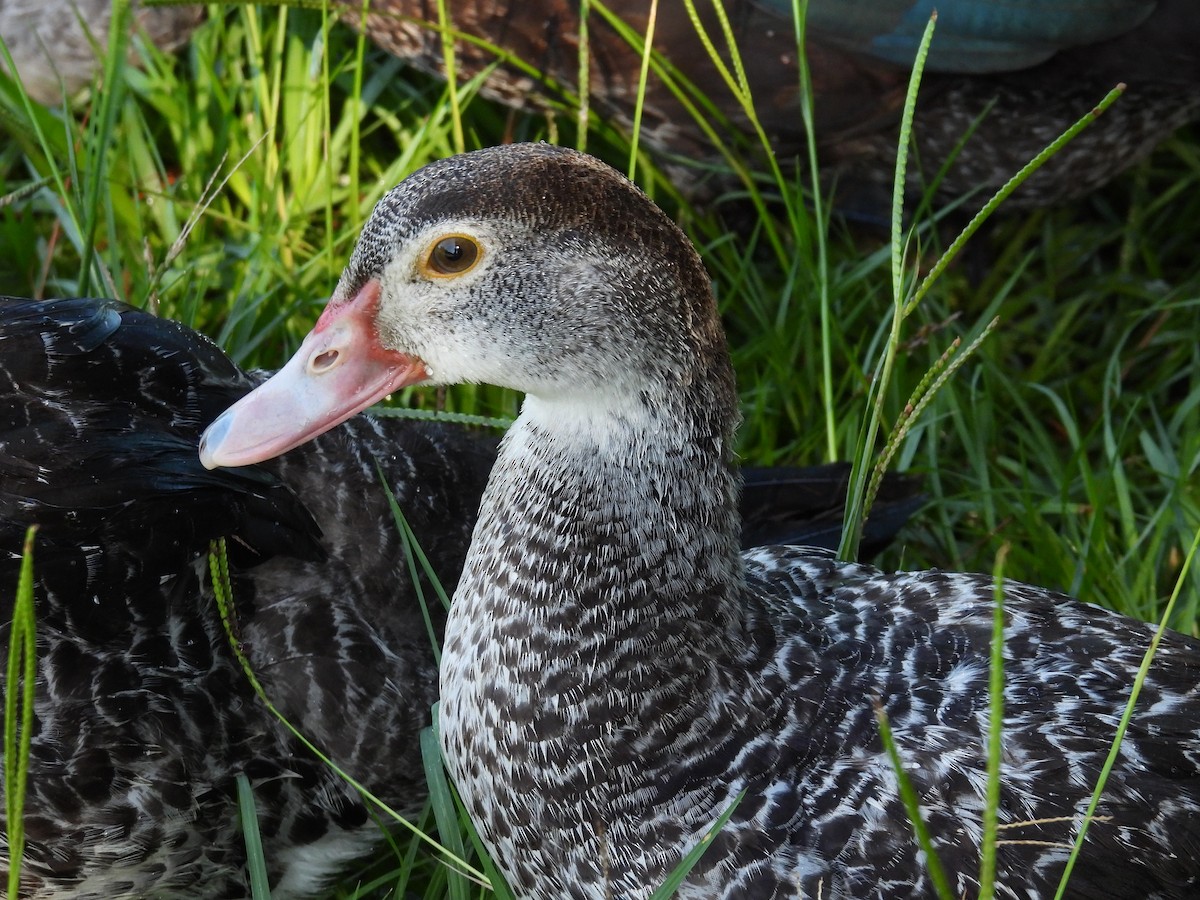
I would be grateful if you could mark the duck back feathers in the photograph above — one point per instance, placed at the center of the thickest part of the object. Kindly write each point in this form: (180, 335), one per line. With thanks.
(852, 641)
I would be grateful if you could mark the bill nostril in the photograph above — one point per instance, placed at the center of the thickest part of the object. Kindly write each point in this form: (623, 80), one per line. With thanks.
(323, 362)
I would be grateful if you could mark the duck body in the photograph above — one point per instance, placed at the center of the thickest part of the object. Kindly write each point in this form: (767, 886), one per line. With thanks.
(143, 718)
(1013, 76)
(594, 778)
(636, 688)
(618, 673)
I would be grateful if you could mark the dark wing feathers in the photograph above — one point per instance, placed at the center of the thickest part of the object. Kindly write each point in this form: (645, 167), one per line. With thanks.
(803, 506)
(100, 410)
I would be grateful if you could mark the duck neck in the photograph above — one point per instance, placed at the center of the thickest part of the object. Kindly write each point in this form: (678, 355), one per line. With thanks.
(604, 530)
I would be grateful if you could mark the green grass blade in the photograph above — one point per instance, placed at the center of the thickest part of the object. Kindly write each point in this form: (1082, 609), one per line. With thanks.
(991, 806)
(97, 149)
(444, 811)
(1011, 185)
(439, 415)
(449, 57)
(643, 74)
(912, 806)
(800, 20)
(452, 818)
(355, 114)
(584, 77)
(703, 113)
(414, 556)
(256, 864)
(666, 890)
(900, 182)
(1123, 726)
(18, 712)
(934, 380)
(856, 508)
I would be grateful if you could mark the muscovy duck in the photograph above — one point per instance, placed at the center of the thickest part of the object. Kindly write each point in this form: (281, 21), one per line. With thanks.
(617, 673)
(144, 718)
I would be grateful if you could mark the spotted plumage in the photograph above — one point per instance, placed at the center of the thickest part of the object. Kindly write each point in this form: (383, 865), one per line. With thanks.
(616, 672)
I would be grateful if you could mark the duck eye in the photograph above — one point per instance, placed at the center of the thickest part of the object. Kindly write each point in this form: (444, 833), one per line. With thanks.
(452, 255)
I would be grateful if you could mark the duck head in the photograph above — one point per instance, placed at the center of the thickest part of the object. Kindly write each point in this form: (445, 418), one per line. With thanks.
(527, 266)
